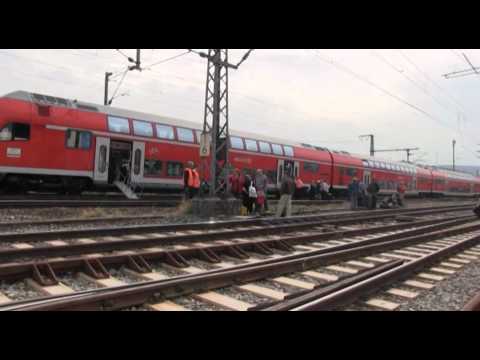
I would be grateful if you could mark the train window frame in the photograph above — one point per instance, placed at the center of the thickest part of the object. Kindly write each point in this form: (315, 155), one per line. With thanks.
(181, 131)
(176, 163)
(77, 143)
(277, 149)
(160, 129)
(115, 126)
(290, 152)
(249, 145)
(148, 134)
(234, 143)
(147, 168)
(263, 148)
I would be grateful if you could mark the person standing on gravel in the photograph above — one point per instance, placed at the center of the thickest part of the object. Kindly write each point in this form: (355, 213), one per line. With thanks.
(191, 180)
(287, 189)
(353, 192)
(373, 189)
(261, 183)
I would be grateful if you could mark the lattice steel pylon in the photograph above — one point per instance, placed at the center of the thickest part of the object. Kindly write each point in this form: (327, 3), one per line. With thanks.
(216, 120)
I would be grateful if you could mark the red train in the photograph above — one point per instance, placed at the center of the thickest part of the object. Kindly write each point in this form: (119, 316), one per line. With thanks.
(50, 141)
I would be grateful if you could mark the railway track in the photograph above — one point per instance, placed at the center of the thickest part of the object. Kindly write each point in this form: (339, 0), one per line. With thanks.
(189, 257)
(24, 226)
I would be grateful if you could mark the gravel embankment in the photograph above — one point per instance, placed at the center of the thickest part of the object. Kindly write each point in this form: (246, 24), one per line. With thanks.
(451, 294)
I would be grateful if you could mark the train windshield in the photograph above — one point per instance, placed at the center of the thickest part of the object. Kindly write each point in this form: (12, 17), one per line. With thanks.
(6, 133)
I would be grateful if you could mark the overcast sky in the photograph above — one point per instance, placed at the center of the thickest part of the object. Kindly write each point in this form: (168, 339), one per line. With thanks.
(324, 97)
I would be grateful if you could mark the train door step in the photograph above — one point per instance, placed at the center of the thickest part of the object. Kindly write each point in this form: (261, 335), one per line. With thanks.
(127, 191)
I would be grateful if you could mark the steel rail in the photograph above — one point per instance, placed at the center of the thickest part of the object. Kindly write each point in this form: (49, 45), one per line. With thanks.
(150, 241)
(271, 225)
(473, 304)
(350, 294)
(19, 270)
(138, 294)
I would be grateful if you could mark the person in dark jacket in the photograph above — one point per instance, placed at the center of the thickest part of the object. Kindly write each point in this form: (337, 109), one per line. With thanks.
(246, 199)
(354, 192)
(287, 190)
(373, 189)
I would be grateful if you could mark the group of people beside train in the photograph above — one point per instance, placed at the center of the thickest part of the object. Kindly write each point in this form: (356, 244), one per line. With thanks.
(366, 195)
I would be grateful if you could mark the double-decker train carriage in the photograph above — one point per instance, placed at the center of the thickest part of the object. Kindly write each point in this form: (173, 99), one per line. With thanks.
(47, 141)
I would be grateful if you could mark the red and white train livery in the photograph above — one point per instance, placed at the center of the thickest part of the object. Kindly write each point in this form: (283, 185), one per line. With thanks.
(46, 140)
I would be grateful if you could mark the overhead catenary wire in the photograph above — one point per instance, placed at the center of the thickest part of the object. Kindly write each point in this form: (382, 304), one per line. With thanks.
(403, 73)
(410, 61)
(148, 67)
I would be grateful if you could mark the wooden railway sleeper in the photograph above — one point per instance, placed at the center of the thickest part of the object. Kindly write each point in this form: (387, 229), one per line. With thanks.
(237, 252)
(209, 255)
(46, 277)
(176, 260)
(262, 249)
(139, 264)
(282, 245)
(95, 269)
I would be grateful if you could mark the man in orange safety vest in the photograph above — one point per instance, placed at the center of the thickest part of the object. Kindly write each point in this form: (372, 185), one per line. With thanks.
(191, 180)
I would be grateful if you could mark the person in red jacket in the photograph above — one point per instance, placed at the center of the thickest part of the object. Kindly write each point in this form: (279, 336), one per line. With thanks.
(236, 183)
(401, 193)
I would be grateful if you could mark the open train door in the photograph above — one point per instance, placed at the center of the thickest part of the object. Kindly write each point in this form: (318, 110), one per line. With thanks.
(138, 159)
(367, 176)
(102, 156)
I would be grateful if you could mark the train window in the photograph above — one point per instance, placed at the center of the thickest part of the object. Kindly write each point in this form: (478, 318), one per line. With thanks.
(265, 147)
(75, 139)
(365, 163)
(152, 167)
(142, 128)
(251, 145)
(118, 125)
(71, 138)
(288, 150)
(185, 135)
(174, 169)
(6, 133)
(84, 140)
(237, 143)
(311, 167)
(277, 149)
(136, 161)
(199, 135)
(165, 132)
(351, 172)
(14, 132)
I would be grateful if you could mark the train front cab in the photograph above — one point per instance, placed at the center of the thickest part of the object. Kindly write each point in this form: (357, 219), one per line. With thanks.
(15, 135)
